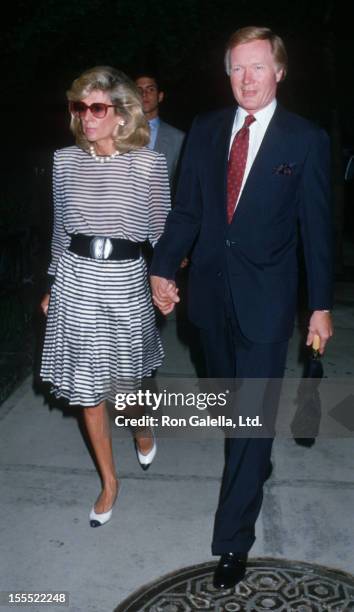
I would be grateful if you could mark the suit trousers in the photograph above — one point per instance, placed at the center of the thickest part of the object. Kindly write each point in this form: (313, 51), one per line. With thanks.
(229, 354)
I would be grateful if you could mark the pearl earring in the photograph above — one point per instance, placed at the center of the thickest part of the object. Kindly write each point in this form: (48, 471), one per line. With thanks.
(122, 122)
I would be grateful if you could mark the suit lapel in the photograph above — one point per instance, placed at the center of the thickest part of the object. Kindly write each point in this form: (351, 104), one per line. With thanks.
(221, 144)
(268, 151)
(161, 139)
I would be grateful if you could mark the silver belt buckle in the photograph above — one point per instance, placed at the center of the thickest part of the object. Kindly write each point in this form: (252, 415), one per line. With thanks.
(101, 248)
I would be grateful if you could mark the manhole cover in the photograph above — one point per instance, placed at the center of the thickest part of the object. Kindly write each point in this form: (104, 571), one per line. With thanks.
(270, 584)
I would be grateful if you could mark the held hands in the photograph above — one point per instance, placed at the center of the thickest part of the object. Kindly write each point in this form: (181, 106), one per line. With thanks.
(164, 293)
(320, 324)
(45, 304)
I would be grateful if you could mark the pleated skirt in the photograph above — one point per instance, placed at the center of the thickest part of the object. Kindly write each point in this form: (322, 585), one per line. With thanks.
(101, 337)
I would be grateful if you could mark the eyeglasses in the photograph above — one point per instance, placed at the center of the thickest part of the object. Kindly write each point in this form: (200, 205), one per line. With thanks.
(97, 109)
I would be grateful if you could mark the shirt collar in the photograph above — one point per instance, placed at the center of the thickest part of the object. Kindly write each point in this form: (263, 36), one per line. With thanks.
(263, 116)
(154, 123)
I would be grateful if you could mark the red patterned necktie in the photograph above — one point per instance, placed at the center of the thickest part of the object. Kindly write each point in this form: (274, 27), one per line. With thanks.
(237, 165)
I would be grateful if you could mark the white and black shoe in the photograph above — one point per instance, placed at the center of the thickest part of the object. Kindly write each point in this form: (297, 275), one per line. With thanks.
(146, 460)
(99, 519)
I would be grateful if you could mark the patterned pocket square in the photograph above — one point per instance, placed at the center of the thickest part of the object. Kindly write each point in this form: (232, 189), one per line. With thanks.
(285, 169)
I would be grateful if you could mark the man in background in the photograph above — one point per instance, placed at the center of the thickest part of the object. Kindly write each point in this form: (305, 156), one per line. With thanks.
(164, 138)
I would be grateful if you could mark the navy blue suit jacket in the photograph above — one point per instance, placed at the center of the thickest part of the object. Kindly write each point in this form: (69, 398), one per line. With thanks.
(257, 253)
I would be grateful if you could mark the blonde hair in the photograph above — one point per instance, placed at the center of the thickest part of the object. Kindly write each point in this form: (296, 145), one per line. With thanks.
(245, 35)
(123, 93)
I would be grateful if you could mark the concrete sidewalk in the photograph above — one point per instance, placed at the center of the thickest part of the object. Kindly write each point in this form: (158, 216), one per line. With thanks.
(164, 518)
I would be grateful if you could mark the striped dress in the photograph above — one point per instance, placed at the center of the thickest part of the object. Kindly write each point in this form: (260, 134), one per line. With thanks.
(101, 336)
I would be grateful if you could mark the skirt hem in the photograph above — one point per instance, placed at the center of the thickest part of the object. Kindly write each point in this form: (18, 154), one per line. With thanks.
(86, 403)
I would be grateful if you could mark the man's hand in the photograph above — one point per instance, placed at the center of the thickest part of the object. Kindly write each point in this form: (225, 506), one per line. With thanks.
(320, 324)
(164, 293)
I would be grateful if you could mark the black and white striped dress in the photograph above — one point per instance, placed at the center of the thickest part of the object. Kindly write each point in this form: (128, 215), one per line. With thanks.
(101, 336)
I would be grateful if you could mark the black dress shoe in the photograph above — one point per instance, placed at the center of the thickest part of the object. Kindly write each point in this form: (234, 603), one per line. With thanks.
(230, 570)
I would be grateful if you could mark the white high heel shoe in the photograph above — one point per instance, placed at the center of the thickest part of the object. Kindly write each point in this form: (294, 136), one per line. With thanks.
(146, 460)
(99, 519)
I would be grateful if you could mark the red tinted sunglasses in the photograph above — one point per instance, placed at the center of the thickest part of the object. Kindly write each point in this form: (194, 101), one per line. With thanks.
(97, 109)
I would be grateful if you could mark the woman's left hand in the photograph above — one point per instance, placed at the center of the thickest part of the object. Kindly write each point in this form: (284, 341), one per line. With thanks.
(45, 304)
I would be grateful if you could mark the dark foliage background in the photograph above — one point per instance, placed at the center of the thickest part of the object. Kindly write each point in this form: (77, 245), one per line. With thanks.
(46, 43)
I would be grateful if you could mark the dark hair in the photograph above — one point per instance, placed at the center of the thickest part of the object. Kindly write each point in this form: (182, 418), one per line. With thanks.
(150, 75)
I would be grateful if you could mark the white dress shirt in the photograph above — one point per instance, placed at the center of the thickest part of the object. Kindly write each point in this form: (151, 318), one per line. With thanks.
(257, 130)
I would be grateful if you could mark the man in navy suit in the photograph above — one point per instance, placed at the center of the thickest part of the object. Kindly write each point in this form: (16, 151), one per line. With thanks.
(250, 175)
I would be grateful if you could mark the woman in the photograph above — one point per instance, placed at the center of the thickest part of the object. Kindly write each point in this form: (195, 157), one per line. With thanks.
(111, 194)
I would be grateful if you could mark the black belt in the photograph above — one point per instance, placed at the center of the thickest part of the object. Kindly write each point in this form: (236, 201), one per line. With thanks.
(99, 247)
